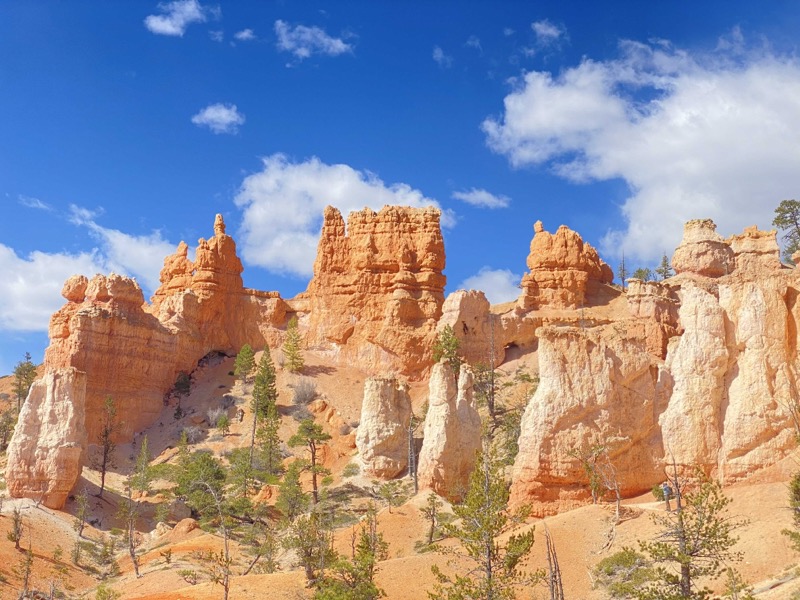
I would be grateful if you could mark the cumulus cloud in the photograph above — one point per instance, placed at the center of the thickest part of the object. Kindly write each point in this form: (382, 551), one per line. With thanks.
(303, 41)
(140, 256)
(440, 58)
(480, 197)
(30, 290)
(711, 135)
(219, 118)
(175, 17)
(286, 199)
(499, 285)
(245, 35)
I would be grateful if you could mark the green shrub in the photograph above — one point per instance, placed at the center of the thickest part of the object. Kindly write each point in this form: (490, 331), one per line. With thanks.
(622, 573)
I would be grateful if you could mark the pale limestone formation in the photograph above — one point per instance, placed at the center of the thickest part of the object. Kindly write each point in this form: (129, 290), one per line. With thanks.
(45, 453)
(468, 313)
(378, 288)
(703, 251)
(452, 433)
(382, 436)
(563, 270)
(656, 306)
(597, 387)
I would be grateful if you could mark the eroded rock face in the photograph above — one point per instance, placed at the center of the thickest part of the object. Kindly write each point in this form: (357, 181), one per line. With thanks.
(468, 313)
(597, 387)
(378, 288)
(452, 434)
(562, 270)
(703, 251)
(45, 453)
(382, 436)
(133, 352)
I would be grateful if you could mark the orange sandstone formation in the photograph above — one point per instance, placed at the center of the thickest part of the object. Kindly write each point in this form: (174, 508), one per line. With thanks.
(378, 288)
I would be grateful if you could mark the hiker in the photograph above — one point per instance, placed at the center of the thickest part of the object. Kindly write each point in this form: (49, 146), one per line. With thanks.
(240, 414)
(667, 491)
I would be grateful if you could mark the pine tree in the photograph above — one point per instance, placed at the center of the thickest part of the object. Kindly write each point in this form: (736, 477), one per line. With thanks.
(292, 501)
(107, 443)
(310, 539)
(664, 269)
(311, 435)
(244, 364)
(269, 441)
(695, 544)
(643, 273)
(483, 517)
(81, 512)
(265, 395)
(24, 376)
(291, 347)
(622, 272)
(787, 219)
(447, 346)
(142, 475)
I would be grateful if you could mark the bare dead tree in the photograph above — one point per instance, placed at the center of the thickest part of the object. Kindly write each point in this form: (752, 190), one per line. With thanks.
(553, 569)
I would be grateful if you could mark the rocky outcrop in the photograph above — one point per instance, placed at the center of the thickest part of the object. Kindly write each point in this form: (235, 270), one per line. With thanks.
(133, 352)
(597, 387)
(655, 305)
(45, 453)
(563, 270)
(378, 288)
(452, 433)
(469, 314)
(382, 436)
(703, 251)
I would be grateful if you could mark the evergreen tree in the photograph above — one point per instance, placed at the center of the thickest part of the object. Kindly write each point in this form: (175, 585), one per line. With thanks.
(482, 518)
(269, 442)
(622, 272)
(24, 376)
(354, 579)
(664, 269)
(107, 443)
(448, 347)
(265, 395)
(291, 347)
(787, 219)
(200, 479)
(292, 501)
(311, 435)
(643, 273)
(81, 512)
(310, 539)
(244, 364)
(430, 511)
(142, 475)
(695, 544)
(794, 505)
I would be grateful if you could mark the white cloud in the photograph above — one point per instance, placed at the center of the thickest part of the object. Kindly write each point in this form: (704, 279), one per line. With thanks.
(480, 197)
(694, 136)
(219, 118)
(217, 35)
(443, 60)
(34, 203)
(546, 32)
(176, 17)
(474, 41)
(245, 35)
(303, 41)
(499, 285)
(287, 200)
(30, 289)
(507, 31)
(140, 256)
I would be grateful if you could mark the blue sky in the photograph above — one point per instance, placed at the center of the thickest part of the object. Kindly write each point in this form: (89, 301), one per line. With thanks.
(128, 125)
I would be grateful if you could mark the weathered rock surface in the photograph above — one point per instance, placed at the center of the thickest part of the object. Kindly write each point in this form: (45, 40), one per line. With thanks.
(452, 433)
(378, 288)
(563, 269)
(597, 387)
(45, 453)
(133, 352)
(382, 436)
(703, 251)
(469, 314)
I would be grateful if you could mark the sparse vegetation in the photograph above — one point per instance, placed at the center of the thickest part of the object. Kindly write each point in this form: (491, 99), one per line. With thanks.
(448, 347)
(311, 435)
(24, 376)
(107, 444)
(305, 391)
(292, 354)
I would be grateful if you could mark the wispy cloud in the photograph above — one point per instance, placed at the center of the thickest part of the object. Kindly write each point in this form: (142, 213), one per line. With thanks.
(245, 35)
(499, 285)
(140, 256)
(176, 16)
(443, 60)
(217, 35)
(474, 41)
(34, 203)
(482, 198)
(303, 42)
(219, 118)
(287, 199)
(547, 33)
(727, 125)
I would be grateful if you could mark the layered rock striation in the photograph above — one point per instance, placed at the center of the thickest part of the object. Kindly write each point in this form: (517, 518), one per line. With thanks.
(378, 288)
(382, 436)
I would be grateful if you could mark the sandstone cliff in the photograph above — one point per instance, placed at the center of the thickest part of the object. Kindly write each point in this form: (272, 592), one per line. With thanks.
(378, 288)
